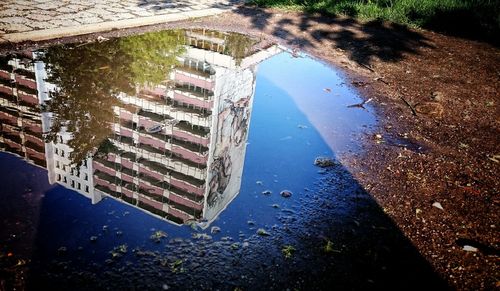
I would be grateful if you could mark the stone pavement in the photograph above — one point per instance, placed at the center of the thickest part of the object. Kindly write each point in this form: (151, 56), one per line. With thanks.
(34, 20)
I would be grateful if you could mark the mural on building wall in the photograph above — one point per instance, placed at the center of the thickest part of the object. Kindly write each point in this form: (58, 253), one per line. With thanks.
(232, 129)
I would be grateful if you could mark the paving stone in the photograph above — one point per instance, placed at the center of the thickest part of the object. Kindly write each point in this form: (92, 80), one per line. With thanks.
(142, 13)
(14, 20)
(115, 17)
(44, 25)
(98, 12)
(76, 7)
(13, 12)
(14, 27)
(65, 23)
(82, 14)
(40, 17)
(48, 5)
(65, 10)
(117, 10)
(46, 12)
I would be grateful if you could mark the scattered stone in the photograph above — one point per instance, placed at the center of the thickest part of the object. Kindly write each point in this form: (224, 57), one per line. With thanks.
(438, 205)
(93, 238)
(203, 236)
(259, 183)
(101, 38)
(437, 96)
(267, 192)
(262, 232)
(286, 193)
(430, 108)
(275, 206)
(468, 248)
(215, 229)
(324, 162)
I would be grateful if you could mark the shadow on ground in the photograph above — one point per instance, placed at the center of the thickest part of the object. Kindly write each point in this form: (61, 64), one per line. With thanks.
(362, 42)
(474, 20)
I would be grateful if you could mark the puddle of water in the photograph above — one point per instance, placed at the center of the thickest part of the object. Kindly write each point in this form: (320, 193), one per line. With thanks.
(158, 161)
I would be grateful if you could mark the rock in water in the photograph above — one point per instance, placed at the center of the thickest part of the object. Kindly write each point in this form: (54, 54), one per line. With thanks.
(286, 193)
(324, 162)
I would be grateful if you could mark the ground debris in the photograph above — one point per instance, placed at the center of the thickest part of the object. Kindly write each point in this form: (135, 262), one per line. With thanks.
(288, 251)
(362, 104)
(262, 232)
(468, 248)
(324, 162)
(430, 108)
(438, 205)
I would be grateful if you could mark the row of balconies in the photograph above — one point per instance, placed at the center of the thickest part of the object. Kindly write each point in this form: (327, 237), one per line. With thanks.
(169, 181)
(171, 204)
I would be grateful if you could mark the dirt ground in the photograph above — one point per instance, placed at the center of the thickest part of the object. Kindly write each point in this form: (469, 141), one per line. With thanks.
(433, 166)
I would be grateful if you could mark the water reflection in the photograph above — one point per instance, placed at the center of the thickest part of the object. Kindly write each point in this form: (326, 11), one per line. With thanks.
(176, 147)
(158, 121)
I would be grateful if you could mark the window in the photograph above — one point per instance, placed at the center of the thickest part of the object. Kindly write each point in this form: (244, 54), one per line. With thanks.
(58, 165)
(73, 183)
(58, 177)
(65, 180)
(86, 178)
(79, 186)
(87, 189)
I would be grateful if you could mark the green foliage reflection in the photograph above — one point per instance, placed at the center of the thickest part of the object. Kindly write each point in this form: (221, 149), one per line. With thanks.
(89, 77)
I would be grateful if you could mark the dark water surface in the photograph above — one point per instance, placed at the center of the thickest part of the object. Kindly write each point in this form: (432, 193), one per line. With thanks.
(157, 162)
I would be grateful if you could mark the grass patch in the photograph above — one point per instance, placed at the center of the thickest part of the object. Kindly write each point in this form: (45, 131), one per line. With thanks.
(466, 17)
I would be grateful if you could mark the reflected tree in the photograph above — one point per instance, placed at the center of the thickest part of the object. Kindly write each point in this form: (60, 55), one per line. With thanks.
(89, 77)
(238, 46)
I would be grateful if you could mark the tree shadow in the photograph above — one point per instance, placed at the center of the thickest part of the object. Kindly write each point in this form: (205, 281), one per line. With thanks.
(363, 43)
(463, 23)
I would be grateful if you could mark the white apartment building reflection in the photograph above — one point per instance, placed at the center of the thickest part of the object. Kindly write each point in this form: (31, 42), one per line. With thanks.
(177, 149)
(20, 120)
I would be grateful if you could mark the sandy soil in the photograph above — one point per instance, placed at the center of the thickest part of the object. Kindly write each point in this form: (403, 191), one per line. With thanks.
(437, 144)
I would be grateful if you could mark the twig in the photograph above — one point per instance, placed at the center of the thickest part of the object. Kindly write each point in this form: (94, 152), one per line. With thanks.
(409, 105)
(366, 66)
(361, 105)
(381, 79)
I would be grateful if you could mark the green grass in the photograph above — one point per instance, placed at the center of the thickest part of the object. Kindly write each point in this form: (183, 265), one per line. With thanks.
(454, 16)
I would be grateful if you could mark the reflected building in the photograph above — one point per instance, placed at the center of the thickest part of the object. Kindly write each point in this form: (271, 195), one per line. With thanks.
(20, 118)
(177, 149)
